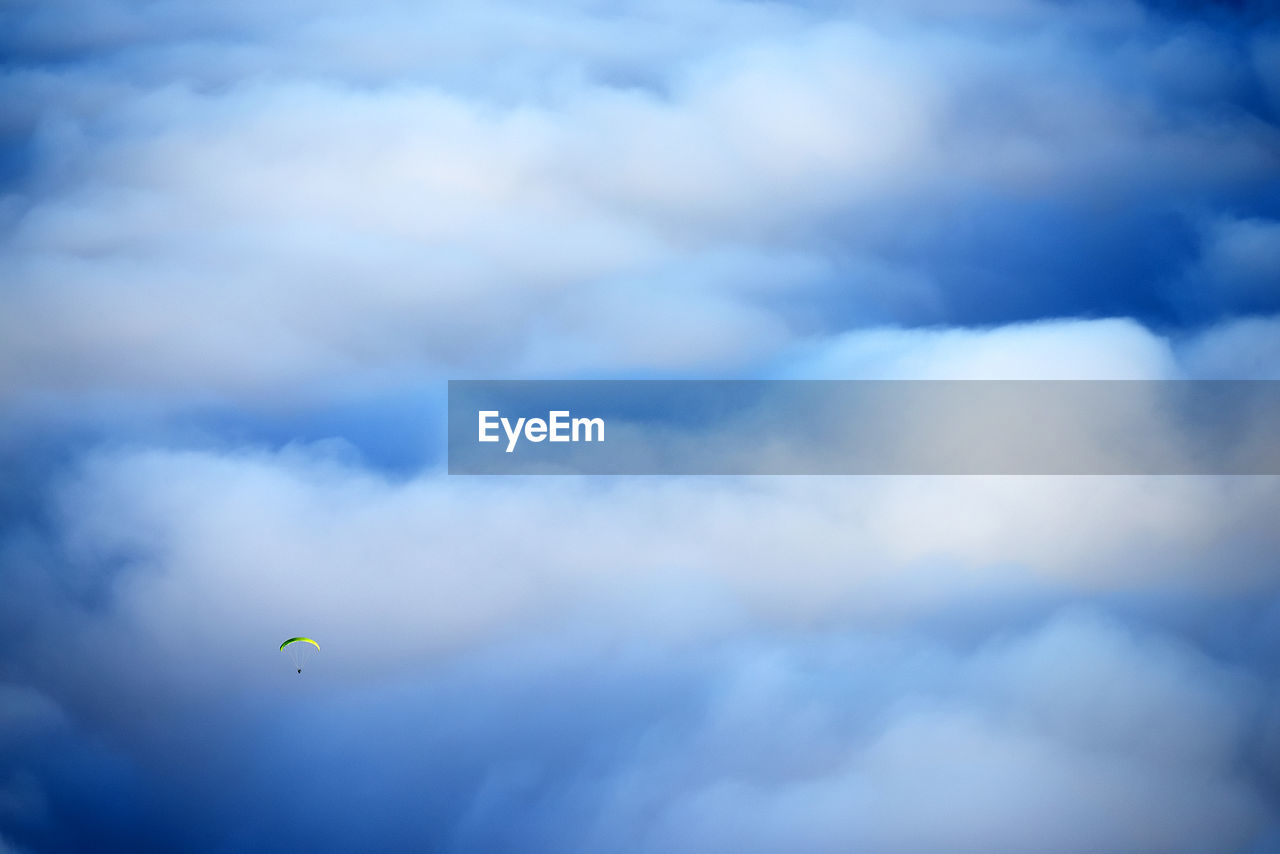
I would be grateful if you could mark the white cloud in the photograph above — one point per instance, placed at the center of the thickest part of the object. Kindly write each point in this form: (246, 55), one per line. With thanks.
(330, 199)
(1050, 350)
(239, 548)
(1076, 736)
(1245, 349)
(1238, 263)
(304, 211)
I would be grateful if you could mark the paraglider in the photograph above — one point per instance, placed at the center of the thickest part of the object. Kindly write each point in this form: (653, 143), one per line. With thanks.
(300, 650)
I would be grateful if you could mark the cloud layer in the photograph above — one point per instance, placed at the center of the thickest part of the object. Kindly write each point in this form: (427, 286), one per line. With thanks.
(223, 204)
(243, 244)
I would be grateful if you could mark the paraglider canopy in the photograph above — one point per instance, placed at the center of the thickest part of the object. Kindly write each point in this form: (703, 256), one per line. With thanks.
(299, 650)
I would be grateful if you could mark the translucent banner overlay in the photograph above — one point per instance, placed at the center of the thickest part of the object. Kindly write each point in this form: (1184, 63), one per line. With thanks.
(948, 427)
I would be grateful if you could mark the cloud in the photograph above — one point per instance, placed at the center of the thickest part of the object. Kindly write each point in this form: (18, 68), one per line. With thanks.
(276, 225)
(1048, 350)
(1242, 349)
(1078, 732)
(1237, 264)
(167, 545)
(991, 748)
(237, 242)
(798, 654)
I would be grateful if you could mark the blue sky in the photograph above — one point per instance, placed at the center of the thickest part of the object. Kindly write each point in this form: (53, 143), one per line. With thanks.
(243, 246)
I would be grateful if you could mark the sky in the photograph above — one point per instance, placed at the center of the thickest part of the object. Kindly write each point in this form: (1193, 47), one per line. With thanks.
(243, 246)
